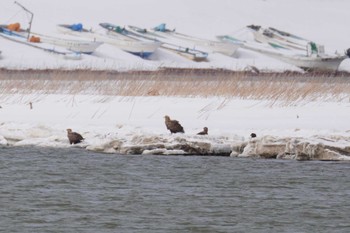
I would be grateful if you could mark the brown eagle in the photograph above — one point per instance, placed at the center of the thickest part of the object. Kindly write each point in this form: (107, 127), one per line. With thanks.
(74, 137)
(204, 132)
(173, 125)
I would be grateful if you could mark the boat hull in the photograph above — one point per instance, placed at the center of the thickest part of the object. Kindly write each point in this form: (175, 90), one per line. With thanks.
(308, 63)
(191, 54)
(228, 49)
(139, 48)
(22, 39)
(78, 46)
(315, 64)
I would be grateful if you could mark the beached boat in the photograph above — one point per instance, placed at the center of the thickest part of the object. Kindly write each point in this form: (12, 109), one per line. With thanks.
(225, 48)
(317, 61)
(306, 62)
(279, 39)
(140, 48)
(21, 36)
(15, 33)
(187, 52)
(78, 46)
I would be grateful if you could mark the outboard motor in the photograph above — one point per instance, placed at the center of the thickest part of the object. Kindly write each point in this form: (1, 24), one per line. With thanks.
(348, 52)
(76, 27)
(254, 27)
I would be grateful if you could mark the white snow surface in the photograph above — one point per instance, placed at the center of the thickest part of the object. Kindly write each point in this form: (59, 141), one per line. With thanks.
(323, 21)
(135, 125)
(115, 124)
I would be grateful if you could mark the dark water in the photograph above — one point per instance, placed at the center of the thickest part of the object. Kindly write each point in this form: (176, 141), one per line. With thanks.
(72, 190)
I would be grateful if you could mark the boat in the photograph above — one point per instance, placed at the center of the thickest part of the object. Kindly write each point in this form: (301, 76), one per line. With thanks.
(78, 46)
(307, 59)
(279, 39)
(15, 33)
(187, 52)
(225, 48)
(327, 63)
(36, 43)
(144, 49)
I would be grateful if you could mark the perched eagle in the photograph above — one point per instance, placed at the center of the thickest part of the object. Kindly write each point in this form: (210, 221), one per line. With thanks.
(173, 125)
(204, 132)
(74, 137)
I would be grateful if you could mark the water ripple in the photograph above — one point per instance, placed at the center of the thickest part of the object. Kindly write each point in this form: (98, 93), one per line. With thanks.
(72, 190)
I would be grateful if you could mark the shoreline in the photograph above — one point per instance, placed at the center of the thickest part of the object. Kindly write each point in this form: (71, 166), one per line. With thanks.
(302, 117)
(315, 148)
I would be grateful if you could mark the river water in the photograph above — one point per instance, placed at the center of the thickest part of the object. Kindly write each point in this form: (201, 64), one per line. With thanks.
(73, 190)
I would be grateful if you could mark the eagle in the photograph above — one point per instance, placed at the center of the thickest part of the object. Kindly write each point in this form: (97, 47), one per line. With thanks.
(253, 135)
(173, 125)
(204, 132)
(74, 137)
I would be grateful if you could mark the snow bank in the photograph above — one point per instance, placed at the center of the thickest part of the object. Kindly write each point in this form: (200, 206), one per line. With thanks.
(314, 148)
(136, 142)
(135, 125)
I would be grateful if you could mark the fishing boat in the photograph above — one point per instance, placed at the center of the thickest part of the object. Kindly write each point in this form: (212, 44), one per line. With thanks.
(35, 42)
(143, 49)
(279, 39)
(309, 63)
(78, 46)
(225, 48)
(309, 60)
(184, 51)
(15, 33)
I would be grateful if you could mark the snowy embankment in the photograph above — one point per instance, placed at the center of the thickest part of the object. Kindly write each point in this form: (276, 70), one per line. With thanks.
(289, 124)
(308, 128)
(135, 126)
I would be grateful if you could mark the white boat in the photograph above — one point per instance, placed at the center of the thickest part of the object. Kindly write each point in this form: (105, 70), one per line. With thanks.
(309, 61)
(279, 39)
(140, 48)
(187, 52)
(78, 46)
(14, 33)
(18, 37)
(225, 48)
(191, 54)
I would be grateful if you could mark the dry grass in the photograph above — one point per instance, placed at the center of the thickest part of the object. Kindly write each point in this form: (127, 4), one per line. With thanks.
(287, 88)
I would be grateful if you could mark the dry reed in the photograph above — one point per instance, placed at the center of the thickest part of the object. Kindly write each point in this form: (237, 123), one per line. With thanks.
(286, 88)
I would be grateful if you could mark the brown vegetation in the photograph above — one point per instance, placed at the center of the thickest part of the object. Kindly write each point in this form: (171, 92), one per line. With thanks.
(288, 87)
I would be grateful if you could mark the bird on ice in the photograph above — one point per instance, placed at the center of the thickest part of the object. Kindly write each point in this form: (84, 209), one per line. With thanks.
(173, 125)
(204, 132)
(74, 137)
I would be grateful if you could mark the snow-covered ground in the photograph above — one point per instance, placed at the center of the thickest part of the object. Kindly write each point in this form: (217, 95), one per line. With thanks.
(321, 21)
(135, 125)
(311, 130)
